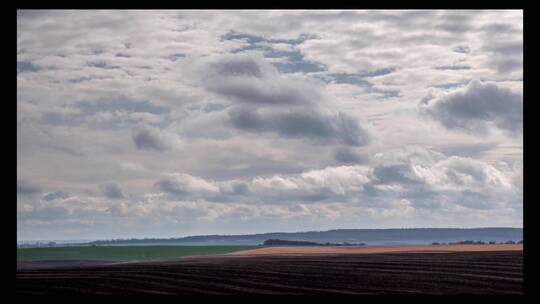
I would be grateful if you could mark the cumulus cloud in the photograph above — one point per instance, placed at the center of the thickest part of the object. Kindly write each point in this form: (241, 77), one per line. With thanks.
(469, 174)
(112, 191)
(408, 182)
(310, 186)
(149, 138)
(441, 171)
(253, 84)
(337, 180)
(477, 107)
(251, 79)
(334, 129)
(428, 181)
(28, 187)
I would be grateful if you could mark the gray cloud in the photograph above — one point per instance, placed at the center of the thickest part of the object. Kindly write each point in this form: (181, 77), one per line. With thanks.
(149, 138)
(252, 80)
(468, 150)
(497, 28)
(112, 191)
(334, 129)
(476, 106)
(170, 186)
(506, 48)
(505, 55)
(455, 22)
(348, 156)
(181, 184)
(27, 187)
(506, 65)
(462, 49)
(453, 67)
(249, 120)
(236, 187)
(401, 173)
(121, 104)
(56, 195)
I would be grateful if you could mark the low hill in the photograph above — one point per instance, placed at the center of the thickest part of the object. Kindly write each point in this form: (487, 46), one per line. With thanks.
(368, 236)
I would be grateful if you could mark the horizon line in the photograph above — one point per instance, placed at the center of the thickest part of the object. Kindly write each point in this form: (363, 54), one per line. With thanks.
(234, 234)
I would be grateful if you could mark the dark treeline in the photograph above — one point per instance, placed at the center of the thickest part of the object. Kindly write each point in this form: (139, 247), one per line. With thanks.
(276, 242)
(470, 242)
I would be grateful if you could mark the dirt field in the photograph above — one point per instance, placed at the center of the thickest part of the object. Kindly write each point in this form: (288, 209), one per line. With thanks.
(25, 265)
(318, 250)
(473, 272)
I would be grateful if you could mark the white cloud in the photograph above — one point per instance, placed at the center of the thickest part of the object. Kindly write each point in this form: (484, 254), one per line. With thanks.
(133, 166)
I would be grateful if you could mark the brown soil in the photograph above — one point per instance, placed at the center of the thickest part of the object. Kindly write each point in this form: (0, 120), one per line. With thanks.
(324, 250)
(473, 272)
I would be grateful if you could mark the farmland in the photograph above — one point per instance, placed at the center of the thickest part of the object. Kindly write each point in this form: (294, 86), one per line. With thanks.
(450, 272)
(121, 253)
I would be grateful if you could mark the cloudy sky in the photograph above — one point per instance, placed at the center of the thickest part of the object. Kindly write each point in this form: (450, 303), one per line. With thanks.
(174, 123)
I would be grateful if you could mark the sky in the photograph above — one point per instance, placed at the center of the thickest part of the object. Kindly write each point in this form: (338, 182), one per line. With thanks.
(136, 124)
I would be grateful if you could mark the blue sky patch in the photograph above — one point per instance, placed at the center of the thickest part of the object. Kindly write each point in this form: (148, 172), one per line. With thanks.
(26, 66)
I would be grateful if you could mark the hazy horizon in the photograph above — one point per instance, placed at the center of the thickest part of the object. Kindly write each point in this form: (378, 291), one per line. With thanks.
(181, 236)
(134, 124)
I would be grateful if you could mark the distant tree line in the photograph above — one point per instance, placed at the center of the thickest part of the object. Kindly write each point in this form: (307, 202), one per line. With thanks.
(276, 242)
(37, 244)
(470, 242)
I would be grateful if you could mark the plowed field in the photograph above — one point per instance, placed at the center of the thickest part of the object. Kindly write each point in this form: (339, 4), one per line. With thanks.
(474, 272)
